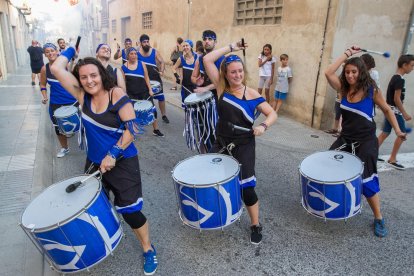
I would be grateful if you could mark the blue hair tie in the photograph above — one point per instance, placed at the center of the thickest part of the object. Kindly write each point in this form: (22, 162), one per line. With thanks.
(189, 42)
(232, 58)
(49, 45)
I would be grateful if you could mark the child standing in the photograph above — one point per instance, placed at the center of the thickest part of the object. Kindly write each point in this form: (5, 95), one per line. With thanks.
(284, 77)
(266, 64)
(395, 99)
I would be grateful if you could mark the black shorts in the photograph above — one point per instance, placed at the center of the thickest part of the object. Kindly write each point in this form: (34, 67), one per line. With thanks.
(36, 69)
(124, 180)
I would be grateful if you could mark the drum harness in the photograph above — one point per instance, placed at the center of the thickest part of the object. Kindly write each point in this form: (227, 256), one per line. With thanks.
(345, 144)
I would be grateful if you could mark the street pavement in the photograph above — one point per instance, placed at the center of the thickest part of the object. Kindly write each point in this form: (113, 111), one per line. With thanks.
(294, 242)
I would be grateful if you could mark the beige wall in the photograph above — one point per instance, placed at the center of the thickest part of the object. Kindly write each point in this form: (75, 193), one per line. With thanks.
(380, 26)
(300, 35)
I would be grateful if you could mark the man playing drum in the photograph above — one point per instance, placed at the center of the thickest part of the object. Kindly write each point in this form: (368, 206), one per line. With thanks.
(151, 57)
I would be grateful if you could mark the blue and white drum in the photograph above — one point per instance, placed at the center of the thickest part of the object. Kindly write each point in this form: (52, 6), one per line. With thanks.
(331, 184)
(144, 111)
(68, 119)
(156, 87)
(73, 230)
(208, 191)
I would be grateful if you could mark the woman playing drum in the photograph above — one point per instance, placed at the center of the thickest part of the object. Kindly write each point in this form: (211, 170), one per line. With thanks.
(109, 121)
(58, 95)
(358, 95)
(236, 107)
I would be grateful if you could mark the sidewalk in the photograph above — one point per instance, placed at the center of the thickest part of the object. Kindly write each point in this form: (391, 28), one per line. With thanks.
(25, 169)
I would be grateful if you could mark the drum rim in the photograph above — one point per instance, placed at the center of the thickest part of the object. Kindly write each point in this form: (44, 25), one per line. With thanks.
(66, 116)
(136, 101)
(333, 182)
(69, 219)
(211, 96)
(205, 185)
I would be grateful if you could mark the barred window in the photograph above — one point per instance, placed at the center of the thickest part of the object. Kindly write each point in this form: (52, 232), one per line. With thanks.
(258, 12)
(113, 25)
(147, 20)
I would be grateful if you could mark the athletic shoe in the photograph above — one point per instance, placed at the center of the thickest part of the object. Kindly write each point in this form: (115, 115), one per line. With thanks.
(62, 152)
(395, 165)
(165, 119)
(256, 235)
(150, 261)
(379, 228)
(33, 83)
(158, 133)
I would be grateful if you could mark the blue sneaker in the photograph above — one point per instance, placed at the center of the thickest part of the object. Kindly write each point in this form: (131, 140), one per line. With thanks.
(379, 228)
(150, 261)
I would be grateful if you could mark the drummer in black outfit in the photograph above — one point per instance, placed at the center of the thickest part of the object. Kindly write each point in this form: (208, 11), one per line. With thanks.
(110, 126)
(236, 106)
(359, 95)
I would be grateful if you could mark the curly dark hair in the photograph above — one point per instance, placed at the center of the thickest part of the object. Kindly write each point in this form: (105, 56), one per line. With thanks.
(364, 81)
(107, 81)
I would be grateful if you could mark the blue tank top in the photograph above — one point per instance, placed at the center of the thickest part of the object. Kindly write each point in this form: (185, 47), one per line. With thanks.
(103, 130)
(136, 86)
(58, 94)
(358, 118)
(151, 63)
(187, 71)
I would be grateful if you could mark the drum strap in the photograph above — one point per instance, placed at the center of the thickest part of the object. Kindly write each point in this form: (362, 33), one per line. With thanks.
(346, 144)
(229, 147)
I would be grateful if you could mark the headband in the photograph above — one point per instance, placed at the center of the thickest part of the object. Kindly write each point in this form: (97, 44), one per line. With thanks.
(102, 44)
(127, 40)
(49, 45)
(129, 50)
(232, 58)
(189, 42)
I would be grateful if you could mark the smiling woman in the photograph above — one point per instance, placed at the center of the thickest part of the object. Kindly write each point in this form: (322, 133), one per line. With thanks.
(110, 126)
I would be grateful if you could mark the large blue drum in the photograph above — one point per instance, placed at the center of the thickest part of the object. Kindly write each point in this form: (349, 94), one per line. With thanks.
(144, 111)
(73, 230)
(68, 119)
(208, 191)
(156, 87)
(331, 184)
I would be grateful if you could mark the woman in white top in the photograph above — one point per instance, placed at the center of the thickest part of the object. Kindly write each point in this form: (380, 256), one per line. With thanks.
(266, 64)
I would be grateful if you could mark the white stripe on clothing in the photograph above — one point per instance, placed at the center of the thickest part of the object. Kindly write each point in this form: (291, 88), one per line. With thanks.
(357, 112)
(239, 107)
(243, 181)
(92, 121)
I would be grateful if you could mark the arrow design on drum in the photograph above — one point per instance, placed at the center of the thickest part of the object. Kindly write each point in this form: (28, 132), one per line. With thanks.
(333, 205)
(351, 190)
(226, 197)
(72, 125)
(206, 213)
(95, 222)
(78, 250)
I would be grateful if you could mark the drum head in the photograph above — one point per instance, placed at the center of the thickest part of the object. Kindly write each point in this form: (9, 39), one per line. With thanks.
(65, 111)
(54, 205)
(197, 97)
(205, 170)
(155, 83)
(331, 166)
(142, 105)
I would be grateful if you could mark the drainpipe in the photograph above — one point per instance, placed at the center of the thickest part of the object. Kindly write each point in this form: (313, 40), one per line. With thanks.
(409, 35)
(188, 18)
(320, 62)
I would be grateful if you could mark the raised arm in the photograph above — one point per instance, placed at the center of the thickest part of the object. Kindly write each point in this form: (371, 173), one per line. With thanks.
(209, 59)
(66, 79)
(330, 72)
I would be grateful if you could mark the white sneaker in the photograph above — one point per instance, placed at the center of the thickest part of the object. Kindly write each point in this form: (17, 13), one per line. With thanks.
(62, 152)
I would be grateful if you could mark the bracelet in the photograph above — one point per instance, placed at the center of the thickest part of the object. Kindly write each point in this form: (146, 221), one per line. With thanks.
(347, 56)
(115, 151)
(231, 48)
(263, 125)
(43, 89)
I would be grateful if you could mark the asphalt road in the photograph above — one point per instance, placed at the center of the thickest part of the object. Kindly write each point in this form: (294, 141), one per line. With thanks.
(294, 242)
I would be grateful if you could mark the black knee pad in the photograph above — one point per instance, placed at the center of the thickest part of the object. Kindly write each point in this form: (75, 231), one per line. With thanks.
(135, 220)
(249, 196)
